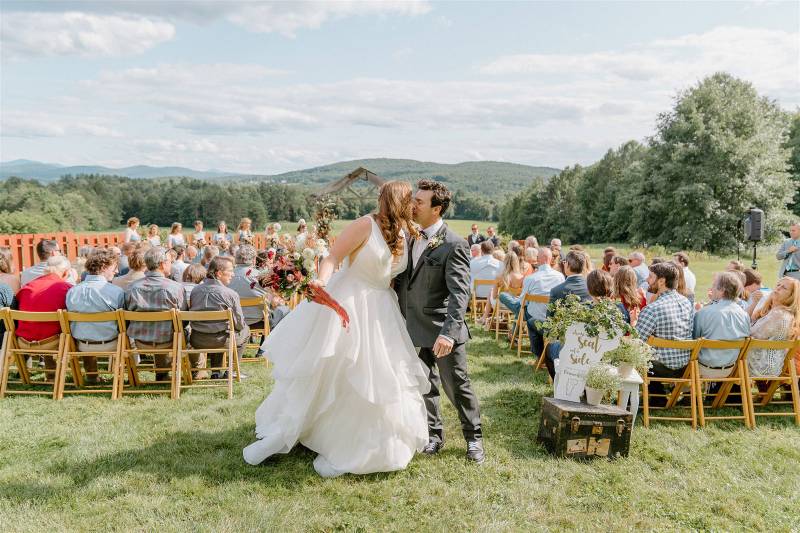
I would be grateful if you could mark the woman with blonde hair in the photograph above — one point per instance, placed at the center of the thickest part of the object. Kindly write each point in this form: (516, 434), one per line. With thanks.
(175, 237)
(777, 320)
(131, 232)
(354, 396)
(7, 274)
(509, 278)
(152, 235)
(245, 232)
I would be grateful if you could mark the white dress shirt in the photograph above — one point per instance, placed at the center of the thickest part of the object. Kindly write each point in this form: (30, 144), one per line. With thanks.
(540, 283)
(421, 242)
(689, 277)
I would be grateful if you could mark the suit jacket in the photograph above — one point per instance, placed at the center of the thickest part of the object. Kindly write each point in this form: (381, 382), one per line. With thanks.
(783, 253)
(473, 239)
(575, 284)
(433, 297)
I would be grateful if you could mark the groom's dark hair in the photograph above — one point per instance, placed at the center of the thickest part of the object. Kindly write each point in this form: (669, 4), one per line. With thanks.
(441, 194)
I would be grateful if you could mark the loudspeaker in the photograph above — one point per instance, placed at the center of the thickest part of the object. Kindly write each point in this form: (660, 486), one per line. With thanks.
(754, 225)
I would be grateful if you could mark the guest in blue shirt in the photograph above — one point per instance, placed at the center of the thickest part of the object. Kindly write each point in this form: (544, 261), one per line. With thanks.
(722, 320)
(96, 295)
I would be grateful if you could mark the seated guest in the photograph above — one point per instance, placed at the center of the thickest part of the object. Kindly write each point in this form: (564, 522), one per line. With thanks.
(83, 254)
(155, 292)
(722, 320)
(510, 277)
(531, 242)
(6, 300)
(608, 254)
(178, 265)
(96, 295)
(531, 261)
(136, 269)
(213, 294)
(671, 317)
(735, 265)
(491, 236)
(755, 293)
(484, 268)
(600, 285)
(475, 251)
(124, 251)
(574, 265)
(475, 237)
(132, 231)
(628, 293)
(193, 275)
(656, 260)
(192, 255)
(278, 311)
(616, 262)
(209, 253)
(555, 247)
(682, 259)
(499, 254)
(153, 236)
(7, 274)
(681, 287)
(45, 249)
(637, 261)
(777, 320)
(245, 284)
(46, 293)
(175, 237)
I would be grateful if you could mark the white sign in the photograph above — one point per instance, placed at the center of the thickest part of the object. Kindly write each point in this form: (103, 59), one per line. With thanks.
(578, 353)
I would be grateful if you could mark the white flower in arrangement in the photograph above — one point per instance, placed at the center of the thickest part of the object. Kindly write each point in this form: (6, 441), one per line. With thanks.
(321, 248)
(300, 243)
(309, 254)
(276, 227)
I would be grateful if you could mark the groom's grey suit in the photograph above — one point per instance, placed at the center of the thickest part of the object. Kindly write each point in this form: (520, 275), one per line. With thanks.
(433, 297)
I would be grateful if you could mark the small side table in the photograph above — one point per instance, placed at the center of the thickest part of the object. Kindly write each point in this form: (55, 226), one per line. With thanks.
(629, 393)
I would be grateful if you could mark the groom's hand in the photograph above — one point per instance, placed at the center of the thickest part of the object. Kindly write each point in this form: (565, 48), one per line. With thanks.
(442, 347)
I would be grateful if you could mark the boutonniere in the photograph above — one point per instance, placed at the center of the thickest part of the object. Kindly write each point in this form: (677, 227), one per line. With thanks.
(435, 241)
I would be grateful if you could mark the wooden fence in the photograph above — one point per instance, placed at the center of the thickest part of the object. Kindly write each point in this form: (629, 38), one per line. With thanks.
(23, 247)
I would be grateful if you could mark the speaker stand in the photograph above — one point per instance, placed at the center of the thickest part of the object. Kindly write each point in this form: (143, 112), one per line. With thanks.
(754, 266)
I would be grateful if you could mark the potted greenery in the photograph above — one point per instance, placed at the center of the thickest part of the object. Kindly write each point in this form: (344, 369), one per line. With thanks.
(600, 380)
(600, 319)
(631, 353)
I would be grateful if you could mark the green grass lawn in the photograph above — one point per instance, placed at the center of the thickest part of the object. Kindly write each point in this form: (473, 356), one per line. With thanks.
(149, 463)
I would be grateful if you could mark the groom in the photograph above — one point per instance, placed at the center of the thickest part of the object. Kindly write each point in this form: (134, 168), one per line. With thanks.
(433, 293)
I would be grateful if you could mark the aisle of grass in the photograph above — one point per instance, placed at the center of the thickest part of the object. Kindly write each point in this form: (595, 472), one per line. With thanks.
(151, 463)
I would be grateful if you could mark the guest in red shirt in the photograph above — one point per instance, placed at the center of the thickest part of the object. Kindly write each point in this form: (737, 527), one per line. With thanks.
(44, 294)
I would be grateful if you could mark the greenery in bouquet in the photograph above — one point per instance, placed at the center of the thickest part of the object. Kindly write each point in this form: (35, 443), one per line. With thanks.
(600, 317)
(324, 215)
(631, 351)
(603, 377)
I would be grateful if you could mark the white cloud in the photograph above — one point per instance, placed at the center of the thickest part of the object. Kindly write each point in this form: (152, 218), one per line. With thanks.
(74, 33)
(39, 124)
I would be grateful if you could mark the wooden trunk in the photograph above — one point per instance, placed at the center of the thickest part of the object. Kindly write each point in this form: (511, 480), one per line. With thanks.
(570, 429)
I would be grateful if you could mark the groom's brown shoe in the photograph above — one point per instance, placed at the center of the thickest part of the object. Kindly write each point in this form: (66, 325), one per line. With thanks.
(475, 452)
(433, 447)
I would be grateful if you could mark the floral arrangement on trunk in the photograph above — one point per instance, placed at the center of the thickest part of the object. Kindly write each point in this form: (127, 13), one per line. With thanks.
(292, 273)
(598, 317)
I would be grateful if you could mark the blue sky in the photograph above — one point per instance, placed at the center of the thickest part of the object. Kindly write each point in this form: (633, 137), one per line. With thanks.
(265, 87)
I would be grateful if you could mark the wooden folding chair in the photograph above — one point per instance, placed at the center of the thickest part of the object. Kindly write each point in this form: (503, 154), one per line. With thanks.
(262, 303)
(521, 329)
(131, 351)
(502, 314)
(787, 377)
(3, 340)
(480, 303)
(687, 379)
(16, 356)
(229, 364)
(737, 377)
(72, 357)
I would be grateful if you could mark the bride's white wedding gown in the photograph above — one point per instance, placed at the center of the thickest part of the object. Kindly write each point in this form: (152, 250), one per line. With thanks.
(354, 397)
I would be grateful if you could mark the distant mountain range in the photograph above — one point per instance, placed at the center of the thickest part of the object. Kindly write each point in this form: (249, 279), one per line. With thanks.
(482, 177)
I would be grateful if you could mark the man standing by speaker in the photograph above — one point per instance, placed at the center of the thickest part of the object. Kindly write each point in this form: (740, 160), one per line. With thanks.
(790, 253)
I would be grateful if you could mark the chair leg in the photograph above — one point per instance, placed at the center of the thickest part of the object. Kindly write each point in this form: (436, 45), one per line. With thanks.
(646, 400)
(698, 391)
(793, 386)
(232, 355)
(745, 406)
(175, 374)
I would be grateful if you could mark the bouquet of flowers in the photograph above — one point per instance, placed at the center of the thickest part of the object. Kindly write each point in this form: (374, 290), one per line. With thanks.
(293, 272)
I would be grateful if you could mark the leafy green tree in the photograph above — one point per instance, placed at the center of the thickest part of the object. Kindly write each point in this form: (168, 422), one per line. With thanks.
(793, 144)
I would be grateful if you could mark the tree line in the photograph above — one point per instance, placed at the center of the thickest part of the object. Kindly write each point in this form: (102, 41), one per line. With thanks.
(720, 150)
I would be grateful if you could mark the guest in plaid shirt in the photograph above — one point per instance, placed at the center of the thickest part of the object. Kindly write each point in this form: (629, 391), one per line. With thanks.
(670, 316)
(155, 292)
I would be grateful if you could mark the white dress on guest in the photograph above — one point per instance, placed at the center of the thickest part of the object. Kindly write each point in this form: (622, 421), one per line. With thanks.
(774, 326)
(354, 397)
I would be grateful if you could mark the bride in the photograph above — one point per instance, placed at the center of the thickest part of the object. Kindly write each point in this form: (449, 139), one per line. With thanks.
(353, 396)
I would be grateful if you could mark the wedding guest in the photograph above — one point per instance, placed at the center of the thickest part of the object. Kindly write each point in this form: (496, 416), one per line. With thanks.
(245, 232)
(475, 251)
(682, 259)
(789, 253)
(628, 292)
(152, 235)
(600, 285)
(83, 253)
(124, 251)
(531, 260)
(608, 255)
(509, 278)
(175, 237)
(45, 249)
(194, 274)
(722, 320)
(491, 236)
(199, 236)
(132, 231)
(540, 283)
(213, 294)
(7, 274)
(245, 284)
(531, 242)
(484, 267)
(499, 254)
(192, 255)
(670, 316)
(777, 320)
(96, 295)
(735, 266)
(155, 292)
(222, 234)
(6, 300)
(278, 311)
(45, 293)
(136, 269)
(555, 247)
(178, 264)
(637, 261)
(209, 253)
(616, 262)
(475, 237)
(755, 293)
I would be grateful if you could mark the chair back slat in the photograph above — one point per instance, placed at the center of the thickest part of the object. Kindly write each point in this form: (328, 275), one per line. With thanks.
(535, 298)
(105, 316)
(148, 316)
(33, 316)
(204, 316)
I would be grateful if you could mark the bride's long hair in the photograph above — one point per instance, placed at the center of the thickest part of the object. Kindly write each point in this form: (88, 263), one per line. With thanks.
(395, 213)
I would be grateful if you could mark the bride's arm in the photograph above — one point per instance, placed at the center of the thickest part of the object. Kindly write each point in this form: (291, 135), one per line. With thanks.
(349, 241)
